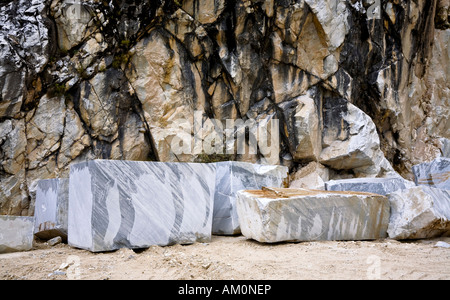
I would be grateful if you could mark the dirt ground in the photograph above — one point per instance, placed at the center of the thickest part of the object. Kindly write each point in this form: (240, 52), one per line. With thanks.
(237, 258)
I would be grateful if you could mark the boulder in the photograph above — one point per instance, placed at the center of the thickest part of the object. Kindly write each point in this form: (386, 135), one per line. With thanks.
(234, 176)
(125, 204)
(419, 212)
(277, 215)
(313, 176)
(382, 186)
(16, 233)
(435, 173)
(51, 208)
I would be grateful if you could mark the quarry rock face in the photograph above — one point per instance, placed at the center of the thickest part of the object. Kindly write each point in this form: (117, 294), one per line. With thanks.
(277, 215)
(360, 89)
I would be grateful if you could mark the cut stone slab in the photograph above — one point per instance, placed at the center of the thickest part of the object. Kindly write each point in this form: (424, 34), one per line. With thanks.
(16, 233)
(382, 186)
(435, 173)
(129, 204)
(51, 208)
(234, 176)
(277, 215)
(418, 213)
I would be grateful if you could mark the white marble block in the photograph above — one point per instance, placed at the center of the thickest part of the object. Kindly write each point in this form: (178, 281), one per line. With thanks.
(435, 173)
(51, 208)
(16, 233)
(382, 186)
(278, 215)
(419, 212)
(125, 204)
(233, 176)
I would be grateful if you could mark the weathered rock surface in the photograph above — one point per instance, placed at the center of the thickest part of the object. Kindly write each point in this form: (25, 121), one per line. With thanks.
(51, 209)
(83, 80)
(124, 204)
(313, 176)
(381, 186)
(419, 212)
(435, 173)
(16, 233)
(232, 177)
(278, 215)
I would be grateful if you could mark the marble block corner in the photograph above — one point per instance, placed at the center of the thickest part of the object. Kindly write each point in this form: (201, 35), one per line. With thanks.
(16, 233)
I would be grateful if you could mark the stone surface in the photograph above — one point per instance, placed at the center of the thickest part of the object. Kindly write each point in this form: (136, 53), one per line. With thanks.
(313, 176)
(278, 215)
(124, 204)
(235, 176)
(51, 208)
(16, 233)
(419, 212)
(381, 186)
(350, 141)
(435, 173)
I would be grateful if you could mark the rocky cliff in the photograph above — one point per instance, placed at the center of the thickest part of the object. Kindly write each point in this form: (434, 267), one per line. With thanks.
(361, 87)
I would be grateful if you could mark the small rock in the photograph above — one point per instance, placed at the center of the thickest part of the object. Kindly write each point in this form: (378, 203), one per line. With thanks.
(54, 241)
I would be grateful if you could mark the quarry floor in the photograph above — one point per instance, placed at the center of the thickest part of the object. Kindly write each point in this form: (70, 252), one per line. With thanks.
(237, 258)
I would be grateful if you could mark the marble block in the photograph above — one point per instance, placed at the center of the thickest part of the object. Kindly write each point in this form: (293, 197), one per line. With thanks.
(277, 215)
(16, 233)
(51, 208)
(435, 173)
(233, 176)
(419, 212)
(126, 204)
(382, 186)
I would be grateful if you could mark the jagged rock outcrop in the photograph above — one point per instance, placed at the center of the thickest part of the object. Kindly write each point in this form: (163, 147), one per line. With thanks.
(88, 79)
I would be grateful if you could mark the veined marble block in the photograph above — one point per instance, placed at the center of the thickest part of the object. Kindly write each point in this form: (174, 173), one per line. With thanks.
(435, 173)
(16, 233)
(125, 204)
(419, 212)
(233, 176)
(277, 215)
(51, 208)
(382, 186)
